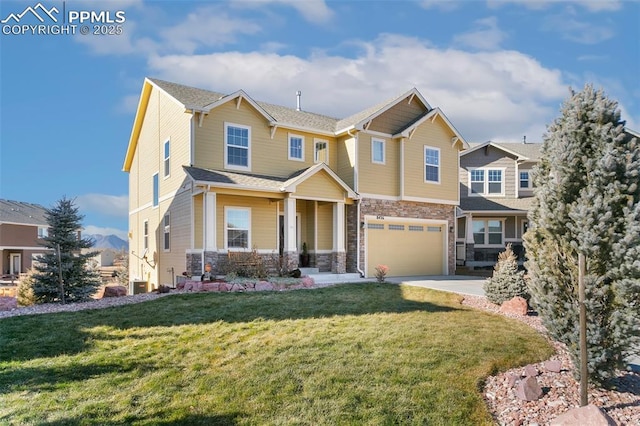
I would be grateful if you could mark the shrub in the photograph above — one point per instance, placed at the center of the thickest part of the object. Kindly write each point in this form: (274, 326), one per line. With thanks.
(507, 282)
(381, 272)
(26, 297)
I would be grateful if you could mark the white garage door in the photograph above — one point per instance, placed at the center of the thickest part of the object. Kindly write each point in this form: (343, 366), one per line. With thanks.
(407, 248)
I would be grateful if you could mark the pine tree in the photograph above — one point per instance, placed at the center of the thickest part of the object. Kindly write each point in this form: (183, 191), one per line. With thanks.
(587, 200)
(78, 280)
(507, 281)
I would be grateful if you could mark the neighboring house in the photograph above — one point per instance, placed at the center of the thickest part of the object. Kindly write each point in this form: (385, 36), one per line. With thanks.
(213, 173)
(495, 195)
(21, 225)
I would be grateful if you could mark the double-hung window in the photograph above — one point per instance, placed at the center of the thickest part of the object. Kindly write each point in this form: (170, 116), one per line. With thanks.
(321, 154)
(377, 151)
(525, 180)
(237, 145)
(156, 190)
(296, 147)
(237, 227)
(167, 231)
(145, 234)
(167, 165)
(487, 232)
(431, 164)
(486, 182)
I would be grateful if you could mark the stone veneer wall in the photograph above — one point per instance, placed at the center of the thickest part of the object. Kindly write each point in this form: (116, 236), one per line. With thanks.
(352, 238)
(322, 261)
(410, 209)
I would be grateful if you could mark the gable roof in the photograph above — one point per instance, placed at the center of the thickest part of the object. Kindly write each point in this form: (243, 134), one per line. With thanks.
(522, 151)
(482, 204)
(18, 212)
(250, 181)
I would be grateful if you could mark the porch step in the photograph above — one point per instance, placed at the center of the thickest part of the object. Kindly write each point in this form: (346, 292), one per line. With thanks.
(309, 271)
(327, 277)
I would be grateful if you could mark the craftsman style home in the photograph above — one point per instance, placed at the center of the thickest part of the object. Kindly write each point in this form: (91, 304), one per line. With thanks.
(211, 174)
(21, 226)
(496, 192)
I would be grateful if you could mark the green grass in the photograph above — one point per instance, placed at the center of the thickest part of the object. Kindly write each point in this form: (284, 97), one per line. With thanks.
(354, 354)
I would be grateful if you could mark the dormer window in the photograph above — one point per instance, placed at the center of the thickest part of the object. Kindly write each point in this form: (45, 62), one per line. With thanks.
(237, 146)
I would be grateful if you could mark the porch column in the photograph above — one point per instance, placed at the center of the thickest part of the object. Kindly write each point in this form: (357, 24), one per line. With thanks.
(339, 255)
(469, 228)
(290, 226)
(210, 243)
(469, 249)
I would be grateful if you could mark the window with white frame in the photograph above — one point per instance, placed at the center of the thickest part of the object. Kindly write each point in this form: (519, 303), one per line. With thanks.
(167, 231)
(237, 143)
(377, 151)
(487, 232)
(486, 181)
(43, 232)
(321, 154)
(431, 164)
(156, 190)
(237, 227)
(525, 179)
(296, 147)
(167, 165)
(145, 235)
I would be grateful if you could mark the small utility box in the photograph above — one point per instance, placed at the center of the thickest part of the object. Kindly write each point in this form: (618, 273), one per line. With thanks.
(140, 287)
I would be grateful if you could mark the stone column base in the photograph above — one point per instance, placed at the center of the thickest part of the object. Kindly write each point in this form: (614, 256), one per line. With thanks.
(338, 262)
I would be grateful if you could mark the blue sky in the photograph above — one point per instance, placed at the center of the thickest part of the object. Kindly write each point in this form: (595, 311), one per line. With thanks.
(498, 69)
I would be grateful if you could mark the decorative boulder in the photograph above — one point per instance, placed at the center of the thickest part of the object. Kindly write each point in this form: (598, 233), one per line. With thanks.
(553, 366)
(209, 286)
(164, 288)
(8, 303)
(517, 306)
(115, 291)
(587, 415)
(528, 389)
(530, 371)
(263, 285)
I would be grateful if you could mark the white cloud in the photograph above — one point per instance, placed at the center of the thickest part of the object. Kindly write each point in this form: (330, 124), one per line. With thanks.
(579, 31)
(485, 36)
(108, 205)
(315, 11)
(128, 104)
(487, 95)
(93, 230)
(443, 5)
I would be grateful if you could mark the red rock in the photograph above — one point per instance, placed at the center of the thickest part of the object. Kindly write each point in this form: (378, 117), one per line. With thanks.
(553, 366)
(264, 286)
(517, 306)
(8, 303)
(210, 286)
(530, 371)
(587, 415)
(115, 291)
(528, 389)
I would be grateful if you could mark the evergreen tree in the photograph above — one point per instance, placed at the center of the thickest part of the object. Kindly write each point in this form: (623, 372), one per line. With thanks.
(78, 280)
(507, 281)
(587, 200)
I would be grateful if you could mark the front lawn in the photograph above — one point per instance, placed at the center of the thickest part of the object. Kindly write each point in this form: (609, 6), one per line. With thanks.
(350, 354)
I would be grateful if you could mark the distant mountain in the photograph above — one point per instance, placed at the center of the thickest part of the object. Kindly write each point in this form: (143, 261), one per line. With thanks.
(108, 242)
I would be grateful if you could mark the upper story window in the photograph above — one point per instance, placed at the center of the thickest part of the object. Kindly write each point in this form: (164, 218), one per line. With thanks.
(237, 227)
(377, 151)
(486, 182)
(167, 165)
(156, 190)
(167, 231)
(237, 145)
(145, 234)
(321, 154)
(296, 147)
(525, 180)
(431, 164)
(43, 232)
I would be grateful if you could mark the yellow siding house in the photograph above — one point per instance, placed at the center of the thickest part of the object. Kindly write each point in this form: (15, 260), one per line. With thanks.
(213, 173)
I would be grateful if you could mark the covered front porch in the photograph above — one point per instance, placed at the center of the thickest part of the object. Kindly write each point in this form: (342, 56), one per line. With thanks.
(298, 221)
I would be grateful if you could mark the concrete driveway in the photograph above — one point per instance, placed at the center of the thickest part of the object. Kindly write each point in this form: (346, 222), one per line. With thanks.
(454, 283)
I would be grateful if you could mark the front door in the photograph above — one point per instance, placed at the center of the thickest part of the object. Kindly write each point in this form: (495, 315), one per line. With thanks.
(281, 233)
(16, 264)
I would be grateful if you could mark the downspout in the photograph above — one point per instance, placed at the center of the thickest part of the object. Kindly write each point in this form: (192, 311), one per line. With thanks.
(355, 188)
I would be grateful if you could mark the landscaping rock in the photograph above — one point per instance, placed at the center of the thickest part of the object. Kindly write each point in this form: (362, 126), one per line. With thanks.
(553, 366)
(164, 288)
(516, 306)
(8, 303)
(530, 371)
(264, 286)
(587, 415)
(115, 291)
(528, 389)
(209, 286)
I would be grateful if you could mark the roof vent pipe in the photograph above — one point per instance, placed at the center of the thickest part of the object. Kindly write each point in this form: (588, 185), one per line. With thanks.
(298, 94)
(524, 139)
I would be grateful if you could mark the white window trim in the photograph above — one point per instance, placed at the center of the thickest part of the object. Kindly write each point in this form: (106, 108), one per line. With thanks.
(485, 192)
(384, 150)
(166, 158)
(43, 231)
(486, 231)
(226, 230)
(424, 165)
(226, 152)
(145, 236)
(164, 232)
(155, 204)
(528, 188)
(290, 136)
(315, 151)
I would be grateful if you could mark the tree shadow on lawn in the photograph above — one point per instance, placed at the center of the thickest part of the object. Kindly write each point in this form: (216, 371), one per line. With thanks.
(189, 419)
(48, 335)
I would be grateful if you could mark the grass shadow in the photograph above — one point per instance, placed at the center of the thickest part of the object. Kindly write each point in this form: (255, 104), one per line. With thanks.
(189, 419)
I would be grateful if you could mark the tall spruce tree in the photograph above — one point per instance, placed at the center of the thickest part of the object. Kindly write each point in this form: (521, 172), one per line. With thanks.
(587, 200)
(78, 280)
